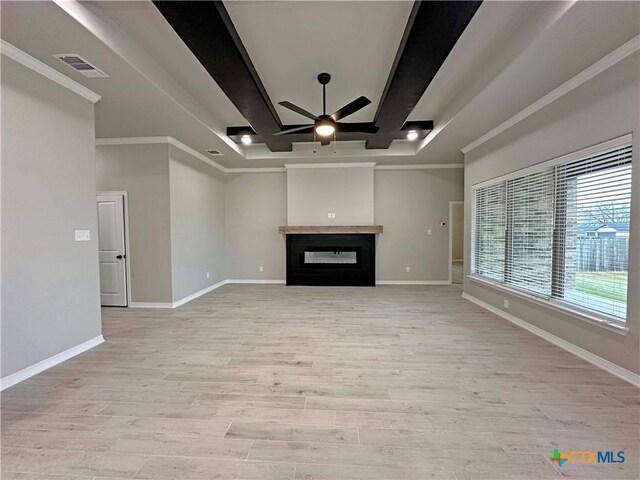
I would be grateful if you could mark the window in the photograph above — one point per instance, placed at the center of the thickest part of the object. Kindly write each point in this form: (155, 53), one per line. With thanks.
(530, 232)
(560, 232)
(489, 245)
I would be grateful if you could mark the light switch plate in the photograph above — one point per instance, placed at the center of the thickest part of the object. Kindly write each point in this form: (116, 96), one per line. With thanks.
(83, 235)
(429, 232)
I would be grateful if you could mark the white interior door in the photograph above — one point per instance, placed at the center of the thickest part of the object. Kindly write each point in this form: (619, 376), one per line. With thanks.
(113, 271)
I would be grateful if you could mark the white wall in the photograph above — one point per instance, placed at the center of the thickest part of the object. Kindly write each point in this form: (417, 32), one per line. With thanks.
(606, 107)
(50, 283)
(314, 192)
(197, 224)
(256, 205)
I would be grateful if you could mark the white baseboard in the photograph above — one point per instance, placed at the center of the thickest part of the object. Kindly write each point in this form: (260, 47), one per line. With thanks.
(150, 305)
(210, 288)
(271, 282)
(606, 365)
(413, 282)
(180, 302)
(11, 380)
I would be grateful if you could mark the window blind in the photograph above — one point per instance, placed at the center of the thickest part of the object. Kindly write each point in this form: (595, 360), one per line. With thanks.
(593, 204)
(488, 227)
(530, 232)
(561, 232)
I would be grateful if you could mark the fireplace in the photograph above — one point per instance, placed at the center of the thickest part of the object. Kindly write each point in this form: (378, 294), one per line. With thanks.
(331, 259)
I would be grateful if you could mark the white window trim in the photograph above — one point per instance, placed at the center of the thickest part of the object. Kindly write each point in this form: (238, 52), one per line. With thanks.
(554, 162)
(611, 323)
(601, 320)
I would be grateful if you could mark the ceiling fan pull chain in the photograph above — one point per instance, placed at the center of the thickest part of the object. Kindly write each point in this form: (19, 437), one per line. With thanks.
(334, 142)
(314, 142)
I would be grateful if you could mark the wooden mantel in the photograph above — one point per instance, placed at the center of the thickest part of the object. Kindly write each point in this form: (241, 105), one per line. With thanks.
(331, 229)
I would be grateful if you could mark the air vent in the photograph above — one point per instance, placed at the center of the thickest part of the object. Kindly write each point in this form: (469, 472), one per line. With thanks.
(213, 152)
(81, 65)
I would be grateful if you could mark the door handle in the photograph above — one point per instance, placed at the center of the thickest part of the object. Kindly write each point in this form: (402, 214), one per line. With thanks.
(120, 257)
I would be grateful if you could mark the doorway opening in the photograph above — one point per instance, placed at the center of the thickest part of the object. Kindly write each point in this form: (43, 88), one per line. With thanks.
(456, 242)
(113, 249)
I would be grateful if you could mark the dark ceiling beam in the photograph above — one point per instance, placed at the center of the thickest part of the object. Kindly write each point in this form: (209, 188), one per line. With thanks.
(432, 30)
(207, 30)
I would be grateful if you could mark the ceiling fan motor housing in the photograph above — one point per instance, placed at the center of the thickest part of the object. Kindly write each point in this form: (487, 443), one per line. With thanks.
(324, 78)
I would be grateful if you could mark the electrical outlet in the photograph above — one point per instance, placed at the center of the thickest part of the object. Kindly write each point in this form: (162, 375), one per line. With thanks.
(208, 274)
(506, 304)
(429, 232)
(260, 268)
(407, 269)
(83, 235)
(329, 215)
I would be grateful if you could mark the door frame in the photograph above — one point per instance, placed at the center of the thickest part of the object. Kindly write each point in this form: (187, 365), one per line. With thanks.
(127, 257)
(451, 204)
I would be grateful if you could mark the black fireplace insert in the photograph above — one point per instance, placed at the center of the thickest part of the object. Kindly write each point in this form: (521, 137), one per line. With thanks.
(344, 259)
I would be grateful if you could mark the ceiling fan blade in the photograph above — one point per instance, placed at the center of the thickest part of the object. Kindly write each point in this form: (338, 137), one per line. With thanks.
(357, 127)
(350, 108)
(293, 130)
(298, 109)
(325, 141)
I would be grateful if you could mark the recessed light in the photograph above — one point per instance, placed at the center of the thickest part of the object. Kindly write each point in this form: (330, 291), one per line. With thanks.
(412, 135)
(246, 139)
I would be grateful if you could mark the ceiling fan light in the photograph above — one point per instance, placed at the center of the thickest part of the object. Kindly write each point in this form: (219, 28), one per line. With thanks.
(412, 135)
(246, 139)
(325, 129)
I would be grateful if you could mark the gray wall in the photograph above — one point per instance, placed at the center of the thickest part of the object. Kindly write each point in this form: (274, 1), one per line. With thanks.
(197, 224)
(408, 203)
(50, 283)
(604, 108)
(256, 205)
(143, 172)
(345, 191)
(457, 232)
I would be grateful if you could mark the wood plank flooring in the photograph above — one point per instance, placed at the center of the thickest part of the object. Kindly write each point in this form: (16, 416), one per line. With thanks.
(274, 382)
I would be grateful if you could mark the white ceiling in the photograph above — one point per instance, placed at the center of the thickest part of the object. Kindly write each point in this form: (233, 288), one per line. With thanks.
(511, 54)
(290, 43)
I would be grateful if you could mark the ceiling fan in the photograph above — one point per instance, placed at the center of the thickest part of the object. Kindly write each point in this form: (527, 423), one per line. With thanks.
(326, 125)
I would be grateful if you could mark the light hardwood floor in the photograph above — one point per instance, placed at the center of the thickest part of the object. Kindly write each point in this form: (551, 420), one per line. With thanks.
(274, 382)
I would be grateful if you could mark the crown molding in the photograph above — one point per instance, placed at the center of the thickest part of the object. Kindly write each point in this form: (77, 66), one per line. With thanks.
(587, 74)
(256, 170)
(202, 157)
(159, 140)
(420, 166)
(330, 165)
(46, 71)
